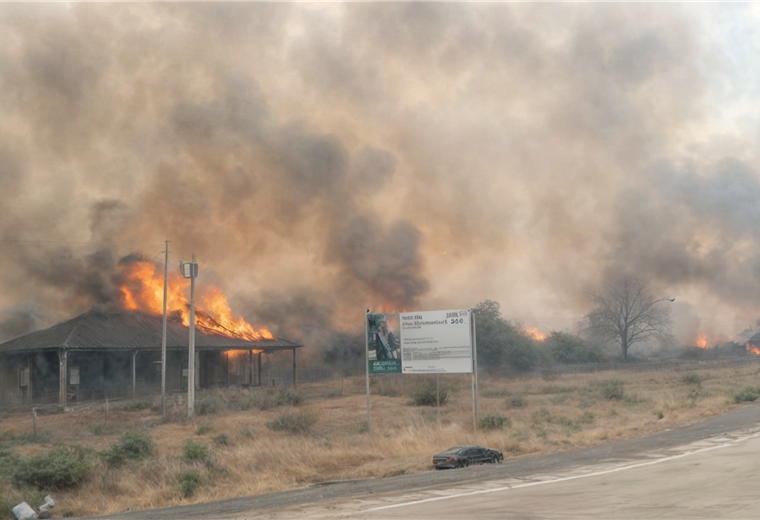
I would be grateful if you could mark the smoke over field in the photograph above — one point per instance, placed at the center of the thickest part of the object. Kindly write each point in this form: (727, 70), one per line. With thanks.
(325, 158)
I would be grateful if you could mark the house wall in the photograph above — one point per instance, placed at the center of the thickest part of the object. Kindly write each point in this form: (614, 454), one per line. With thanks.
(109, 374)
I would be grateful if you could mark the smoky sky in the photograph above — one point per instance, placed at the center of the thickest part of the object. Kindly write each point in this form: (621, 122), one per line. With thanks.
(321, 159)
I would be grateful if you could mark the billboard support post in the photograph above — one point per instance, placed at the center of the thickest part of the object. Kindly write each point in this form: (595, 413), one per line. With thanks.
(472, 377)
(475, 365)
(437, 402)
(366, 366)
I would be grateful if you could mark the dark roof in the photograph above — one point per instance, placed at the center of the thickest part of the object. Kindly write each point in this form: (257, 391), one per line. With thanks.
(105, 330)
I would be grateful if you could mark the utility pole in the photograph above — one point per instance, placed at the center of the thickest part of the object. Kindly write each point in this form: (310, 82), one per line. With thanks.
(366, 366)
(190, 270)
(163, 334)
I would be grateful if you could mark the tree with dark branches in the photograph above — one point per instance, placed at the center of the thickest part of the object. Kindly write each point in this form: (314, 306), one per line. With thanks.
(626, 312)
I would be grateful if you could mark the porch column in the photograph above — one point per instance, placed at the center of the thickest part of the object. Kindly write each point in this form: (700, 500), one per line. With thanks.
(29, 391)
(250, 368)
(227, 367)
(258, 371)
(197, 369)
(294, 368)
(134, 374)
(63, 371)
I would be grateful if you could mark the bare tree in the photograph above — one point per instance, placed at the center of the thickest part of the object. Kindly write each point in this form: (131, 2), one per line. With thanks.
(626, 312)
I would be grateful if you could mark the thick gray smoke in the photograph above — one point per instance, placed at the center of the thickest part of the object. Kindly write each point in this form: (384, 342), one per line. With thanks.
(322, 159)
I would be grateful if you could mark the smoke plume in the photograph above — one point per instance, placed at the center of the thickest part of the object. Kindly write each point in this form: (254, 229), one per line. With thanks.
(322, 159)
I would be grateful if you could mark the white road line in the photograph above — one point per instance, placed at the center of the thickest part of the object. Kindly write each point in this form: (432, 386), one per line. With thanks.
(564, 479)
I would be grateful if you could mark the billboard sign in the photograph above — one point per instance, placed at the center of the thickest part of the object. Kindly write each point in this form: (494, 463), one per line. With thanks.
(383, 344)
(436, 342)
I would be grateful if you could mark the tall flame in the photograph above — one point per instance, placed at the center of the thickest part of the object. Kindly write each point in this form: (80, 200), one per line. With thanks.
(142, 289)
(752, 349)
(535, 334)
(701, 340)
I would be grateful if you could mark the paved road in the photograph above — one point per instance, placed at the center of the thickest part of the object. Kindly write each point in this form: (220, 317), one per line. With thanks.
(717, 478)
(357, 498)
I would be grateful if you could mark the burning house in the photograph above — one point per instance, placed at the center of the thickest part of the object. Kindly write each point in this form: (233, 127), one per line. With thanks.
(112, 354)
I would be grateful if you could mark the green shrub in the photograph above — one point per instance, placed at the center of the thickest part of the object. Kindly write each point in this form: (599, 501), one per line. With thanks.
(426, 396)
(132, 446)
(270, 398)
(55, 469)
(568, 348)
(293, 423)
(43, 436)
(517, 402)
(210, 404)
(247, 432)
(203, 429)
(222, 440)
(659, 414)
(8, 461)
(542, 415)
(613, 389)
(557, 389)
(288, 396)
(747, 395)
(135, 406)
(568, 424)
(494, 393)
(692, 379)
(193, 451)
(103, 429)
(189, 481)
(495, 422)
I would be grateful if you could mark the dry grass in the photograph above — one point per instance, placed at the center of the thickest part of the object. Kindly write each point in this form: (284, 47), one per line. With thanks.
(566, 412)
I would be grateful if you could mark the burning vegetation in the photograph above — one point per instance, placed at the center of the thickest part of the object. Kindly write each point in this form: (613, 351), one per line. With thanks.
(535, 334)
(141, 288)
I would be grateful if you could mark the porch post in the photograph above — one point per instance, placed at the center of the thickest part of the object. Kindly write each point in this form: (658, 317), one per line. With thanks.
(134, 374)
(63, 371)
(294, 368)
(250, 368)
(227, 366)
(258, 371)
(197, 371)
(29, 391)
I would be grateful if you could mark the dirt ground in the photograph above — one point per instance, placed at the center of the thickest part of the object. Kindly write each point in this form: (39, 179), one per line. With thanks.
(522, 417)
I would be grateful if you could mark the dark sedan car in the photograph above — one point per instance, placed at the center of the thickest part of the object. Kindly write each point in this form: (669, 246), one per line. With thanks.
(463, 456)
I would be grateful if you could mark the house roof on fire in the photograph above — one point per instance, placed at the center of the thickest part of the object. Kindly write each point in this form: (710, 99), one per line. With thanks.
(104, 330)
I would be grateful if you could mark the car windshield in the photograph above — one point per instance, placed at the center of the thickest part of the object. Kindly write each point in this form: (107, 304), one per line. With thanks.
(451, 450)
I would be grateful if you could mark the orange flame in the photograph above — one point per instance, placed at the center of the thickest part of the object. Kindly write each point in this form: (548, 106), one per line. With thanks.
(752, 349)
(216, 304)
(535, 334)
(142, 289)
(701, 340)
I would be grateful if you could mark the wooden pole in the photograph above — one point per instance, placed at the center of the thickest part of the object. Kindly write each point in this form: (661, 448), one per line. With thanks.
(163, 334)
(366, 367)
(258, 371)
(191, 353)
(437, 402)
(63, 359)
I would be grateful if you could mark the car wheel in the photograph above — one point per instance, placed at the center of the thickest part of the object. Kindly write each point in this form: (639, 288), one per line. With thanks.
(495, 460)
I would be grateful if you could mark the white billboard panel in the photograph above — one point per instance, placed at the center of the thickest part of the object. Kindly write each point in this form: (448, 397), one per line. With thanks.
(436, 342)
